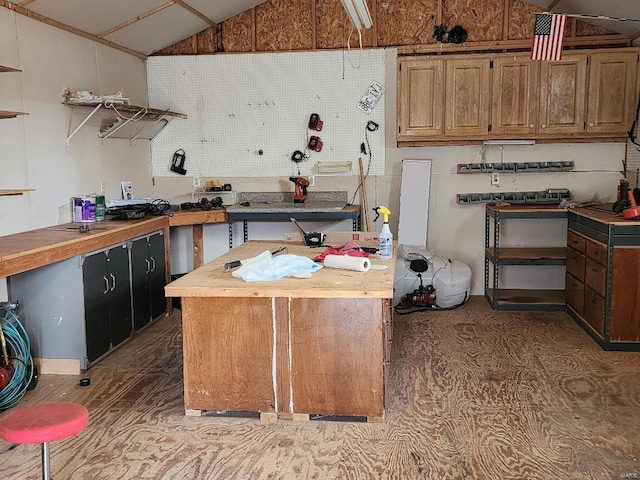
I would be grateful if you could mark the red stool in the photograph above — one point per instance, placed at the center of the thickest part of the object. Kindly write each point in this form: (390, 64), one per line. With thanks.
(44, 423)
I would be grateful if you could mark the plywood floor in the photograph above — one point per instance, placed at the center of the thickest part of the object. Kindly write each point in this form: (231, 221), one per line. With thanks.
(474, 394)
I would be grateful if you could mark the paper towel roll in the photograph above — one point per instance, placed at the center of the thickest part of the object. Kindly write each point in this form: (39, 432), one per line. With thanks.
(345, 262)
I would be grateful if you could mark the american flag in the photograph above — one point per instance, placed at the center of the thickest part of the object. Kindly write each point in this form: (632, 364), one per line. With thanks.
(548, 37)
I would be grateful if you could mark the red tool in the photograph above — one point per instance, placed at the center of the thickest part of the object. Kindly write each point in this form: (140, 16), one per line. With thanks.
(301, 189)
(315, 144)
(633, 212)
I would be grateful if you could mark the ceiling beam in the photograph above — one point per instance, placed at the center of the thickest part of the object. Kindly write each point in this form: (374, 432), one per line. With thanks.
(197, 13)
(24, 3)
(75, 31)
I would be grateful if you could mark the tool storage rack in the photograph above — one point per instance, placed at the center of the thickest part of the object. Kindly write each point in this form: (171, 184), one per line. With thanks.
(520, 299)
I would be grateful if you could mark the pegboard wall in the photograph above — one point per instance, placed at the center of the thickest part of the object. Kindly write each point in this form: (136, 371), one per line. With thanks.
(239, 105)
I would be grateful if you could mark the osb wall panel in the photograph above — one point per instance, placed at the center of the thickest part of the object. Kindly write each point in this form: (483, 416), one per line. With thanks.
(521, 20)
(482, 20)
(584, 29)
(188, 46)
(237, 33)
(406, 22)
(206, 41)
(283, 25)
(334, 26)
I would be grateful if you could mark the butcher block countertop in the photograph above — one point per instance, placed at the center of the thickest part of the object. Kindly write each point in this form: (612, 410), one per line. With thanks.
(36, 248)
(211, 280)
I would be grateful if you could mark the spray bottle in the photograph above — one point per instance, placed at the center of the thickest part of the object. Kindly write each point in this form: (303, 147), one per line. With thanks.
(386, 237)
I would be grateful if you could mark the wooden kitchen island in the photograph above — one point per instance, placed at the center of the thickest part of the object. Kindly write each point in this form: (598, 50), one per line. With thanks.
(290, 348)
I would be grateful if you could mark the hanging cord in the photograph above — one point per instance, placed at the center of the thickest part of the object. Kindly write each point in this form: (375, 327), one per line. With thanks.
(136, 116)
(633, 137)
(369, 127)
(19, 348)
(349, 47)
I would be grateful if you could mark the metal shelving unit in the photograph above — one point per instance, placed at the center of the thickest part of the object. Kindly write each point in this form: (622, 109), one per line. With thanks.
(496, 256)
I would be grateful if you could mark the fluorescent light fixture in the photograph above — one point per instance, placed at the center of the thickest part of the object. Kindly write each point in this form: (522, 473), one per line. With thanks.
(358, 11)
(510, 142)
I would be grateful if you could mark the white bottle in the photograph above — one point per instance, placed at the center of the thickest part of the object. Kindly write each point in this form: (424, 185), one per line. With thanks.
(386, 237)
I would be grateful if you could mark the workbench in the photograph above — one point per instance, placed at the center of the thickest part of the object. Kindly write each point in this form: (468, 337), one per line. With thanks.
(289, 348)
(603, 276)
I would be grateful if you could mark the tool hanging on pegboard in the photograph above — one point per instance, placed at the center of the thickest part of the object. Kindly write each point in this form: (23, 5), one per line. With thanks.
(315, 123)
(177, 163)
(315, 144)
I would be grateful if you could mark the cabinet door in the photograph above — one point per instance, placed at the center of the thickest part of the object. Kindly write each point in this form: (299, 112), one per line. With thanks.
(515, 96)
(140, 268)
(420, 98)
(612, 97)
(119, 294)
(157, 276)
(467, 97)
(96, 287)
(563, 95)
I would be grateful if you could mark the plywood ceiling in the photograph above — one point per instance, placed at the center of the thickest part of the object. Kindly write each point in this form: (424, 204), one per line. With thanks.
(142, 27)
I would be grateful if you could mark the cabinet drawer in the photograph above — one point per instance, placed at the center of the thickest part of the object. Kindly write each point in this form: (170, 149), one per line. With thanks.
(596, 277)
(574, 294)
(575, 263)
(576, 241)
(597, 251)
(594, 310)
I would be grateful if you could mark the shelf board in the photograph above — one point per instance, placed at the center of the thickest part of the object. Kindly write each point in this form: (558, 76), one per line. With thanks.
(528, 256)
(7, 114)
(14, 191)
(8, 69)
(526, 299)
(151, 113)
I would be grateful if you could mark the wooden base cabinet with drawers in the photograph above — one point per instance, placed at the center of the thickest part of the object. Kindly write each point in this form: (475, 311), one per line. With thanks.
(603, 277)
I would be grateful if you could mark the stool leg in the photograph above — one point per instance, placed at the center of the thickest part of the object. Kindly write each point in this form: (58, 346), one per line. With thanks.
(45, 461)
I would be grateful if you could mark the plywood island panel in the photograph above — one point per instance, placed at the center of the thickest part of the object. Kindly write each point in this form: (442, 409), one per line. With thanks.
(290, 347)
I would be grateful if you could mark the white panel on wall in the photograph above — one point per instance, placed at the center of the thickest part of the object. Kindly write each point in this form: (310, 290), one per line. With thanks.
(239, 105)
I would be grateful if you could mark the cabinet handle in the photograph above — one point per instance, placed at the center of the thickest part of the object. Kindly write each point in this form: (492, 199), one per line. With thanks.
(591, 124)
(113, 287)
(544, 126)
(437, 127)
(148, 266)
(153, 264)
(449, 127)
(106, 284)
(531, 125)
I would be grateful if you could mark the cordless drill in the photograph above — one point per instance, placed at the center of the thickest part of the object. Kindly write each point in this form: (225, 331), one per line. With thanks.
(301, 184)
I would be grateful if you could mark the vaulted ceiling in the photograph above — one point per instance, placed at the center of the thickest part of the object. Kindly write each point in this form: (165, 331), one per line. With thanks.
(142, 27)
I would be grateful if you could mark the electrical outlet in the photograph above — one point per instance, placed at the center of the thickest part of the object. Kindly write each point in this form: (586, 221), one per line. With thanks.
(495, 179)
(103, 187)
(196, 181)
(312, 180)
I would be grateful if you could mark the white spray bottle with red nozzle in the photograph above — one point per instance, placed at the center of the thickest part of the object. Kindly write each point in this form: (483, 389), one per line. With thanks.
(386, 237)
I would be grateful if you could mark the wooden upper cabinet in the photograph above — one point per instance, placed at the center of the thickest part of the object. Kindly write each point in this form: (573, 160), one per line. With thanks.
(420, 95)
(563, 95)
(612, 92)
(514, 108)
(467, 97)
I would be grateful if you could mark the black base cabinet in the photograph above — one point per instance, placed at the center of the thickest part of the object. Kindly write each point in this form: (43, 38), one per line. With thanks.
(81, 308)
(148, 278)
(107, 300)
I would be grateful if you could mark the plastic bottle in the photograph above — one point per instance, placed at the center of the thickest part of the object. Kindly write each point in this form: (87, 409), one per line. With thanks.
(386, 237)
